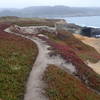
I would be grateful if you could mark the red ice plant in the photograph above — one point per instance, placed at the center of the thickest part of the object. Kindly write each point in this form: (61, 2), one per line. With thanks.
(84, 72)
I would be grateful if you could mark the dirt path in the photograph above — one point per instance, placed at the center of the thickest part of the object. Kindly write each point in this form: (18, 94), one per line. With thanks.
(34, 87)
(35, 83)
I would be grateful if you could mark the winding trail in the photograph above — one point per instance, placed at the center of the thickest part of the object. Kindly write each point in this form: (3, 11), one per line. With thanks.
(35, 84)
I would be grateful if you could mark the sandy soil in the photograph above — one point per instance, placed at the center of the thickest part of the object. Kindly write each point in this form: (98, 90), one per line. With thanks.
(34, 87)
(95, 66)
(94, 42)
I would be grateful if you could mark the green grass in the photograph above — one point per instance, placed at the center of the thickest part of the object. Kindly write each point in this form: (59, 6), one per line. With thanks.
(63, 86)
(17, 56)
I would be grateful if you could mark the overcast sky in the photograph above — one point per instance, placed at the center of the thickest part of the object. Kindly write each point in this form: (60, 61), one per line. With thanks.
(26, 3)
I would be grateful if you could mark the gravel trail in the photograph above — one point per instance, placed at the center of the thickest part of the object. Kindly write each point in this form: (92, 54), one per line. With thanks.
(35, 84)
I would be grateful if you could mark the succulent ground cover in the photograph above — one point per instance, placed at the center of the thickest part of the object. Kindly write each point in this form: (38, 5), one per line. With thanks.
(17, 56)
(85, 52)
(64, 86)
(85, 73)
(72, 50)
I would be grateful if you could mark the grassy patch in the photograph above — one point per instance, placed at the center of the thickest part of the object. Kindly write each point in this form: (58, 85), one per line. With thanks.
(63, 86)
(17, 56)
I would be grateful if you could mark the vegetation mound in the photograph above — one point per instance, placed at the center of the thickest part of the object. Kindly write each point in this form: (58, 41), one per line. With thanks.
(17, 56)
(64, 86)
(70, 48)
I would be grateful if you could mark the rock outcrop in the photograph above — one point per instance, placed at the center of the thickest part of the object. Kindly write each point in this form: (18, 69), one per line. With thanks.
(62, 25)
(90, 32)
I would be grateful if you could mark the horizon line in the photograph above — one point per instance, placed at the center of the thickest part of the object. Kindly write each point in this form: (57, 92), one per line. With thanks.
(49, 6)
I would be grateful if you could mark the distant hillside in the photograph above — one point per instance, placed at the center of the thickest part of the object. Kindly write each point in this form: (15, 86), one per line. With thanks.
(50, 11)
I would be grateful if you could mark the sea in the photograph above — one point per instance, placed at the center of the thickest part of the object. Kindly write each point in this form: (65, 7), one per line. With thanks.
(90, 21)
(87, 21)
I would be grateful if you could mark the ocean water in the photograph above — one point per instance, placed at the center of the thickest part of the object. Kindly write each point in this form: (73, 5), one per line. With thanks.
(92, 21)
